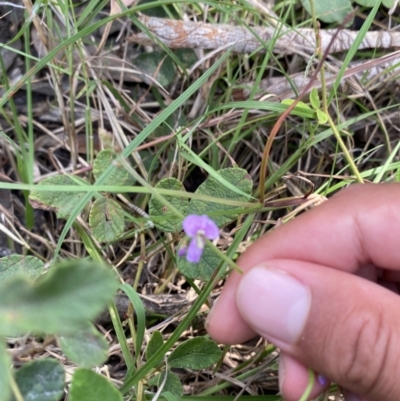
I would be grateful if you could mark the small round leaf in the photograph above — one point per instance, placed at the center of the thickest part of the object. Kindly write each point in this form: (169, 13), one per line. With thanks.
(86, 347)
(172, 384)
(204, 269)
(164, 218)
(196, 353)
(221, 213)
(89, 386)
(63, 203)
(28, 266)
(41, 380)
(119, 176)
(106, 220)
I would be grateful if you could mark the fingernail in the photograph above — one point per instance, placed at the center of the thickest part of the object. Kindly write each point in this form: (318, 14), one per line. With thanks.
(274, 303)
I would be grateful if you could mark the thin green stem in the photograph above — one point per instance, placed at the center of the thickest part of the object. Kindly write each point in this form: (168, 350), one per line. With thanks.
(344, 149)
(310, 385)
(225, 258)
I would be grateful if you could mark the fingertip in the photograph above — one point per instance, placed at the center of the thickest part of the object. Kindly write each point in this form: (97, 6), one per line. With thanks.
(294, 379)
(224, 322)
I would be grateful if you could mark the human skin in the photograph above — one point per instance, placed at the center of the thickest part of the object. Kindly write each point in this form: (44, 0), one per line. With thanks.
(324, 288)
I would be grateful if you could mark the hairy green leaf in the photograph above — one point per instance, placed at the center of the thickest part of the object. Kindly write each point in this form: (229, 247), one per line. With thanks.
(28, 266)
(156, 342)
(196, 353)
(330, 10)
(87, 385)
(41, 380)
(119, 176)
(86, 347)
(220, 213)
(61, 301)
(171, 384)
(204, 269)
(164, 218)
(106, 220)
(63, 203)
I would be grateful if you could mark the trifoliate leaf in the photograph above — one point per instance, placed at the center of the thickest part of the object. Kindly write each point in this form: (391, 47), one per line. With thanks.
(41, 380)
(63, 203)
(196, 353)
(219, 212)
(164, 218)
(106, 220)
(13, 265)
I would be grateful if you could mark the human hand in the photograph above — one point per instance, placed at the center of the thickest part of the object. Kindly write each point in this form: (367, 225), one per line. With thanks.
(324, 289)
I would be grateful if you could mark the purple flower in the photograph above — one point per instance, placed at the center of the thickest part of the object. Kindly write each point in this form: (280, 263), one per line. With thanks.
(197, 228)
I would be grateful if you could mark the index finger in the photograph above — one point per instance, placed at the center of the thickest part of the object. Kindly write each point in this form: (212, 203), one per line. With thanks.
(357, 227)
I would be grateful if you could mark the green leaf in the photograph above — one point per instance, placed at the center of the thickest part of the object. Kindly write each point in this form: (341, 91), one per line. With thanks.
(106, 220)
(41, 380)
(140, 315)
(119, 176)
(86, 347)
(300, 109)
(371, 3)
(387, 3)
(87, 385)
(61, 301)
(397, 176)
(322, 117)
(156, 65)
(63, 203)
(186, 56)
(222, 214)
(155, 343)
(164, 218)
(204, 269)
(172, 384)
(329, 10)
(28, 266)
(196, 353)
(314, 99)
(5, 376)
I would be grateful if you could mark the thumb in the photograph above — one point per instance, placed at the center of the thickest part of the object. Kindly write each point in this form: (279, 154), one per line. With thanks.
(340, 325)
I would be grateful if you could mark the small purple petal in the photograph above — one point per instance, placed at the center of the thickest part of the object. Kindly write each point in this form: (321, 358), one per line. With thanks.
(191, 224)
(211, 230)
(322, 380)
(182, 250)
(195, 224)
(195, 250)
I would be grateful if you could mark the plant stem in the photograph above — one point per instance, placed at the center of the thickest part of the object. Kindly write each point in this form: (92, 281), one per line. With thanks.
(339, 139)
(342, 145)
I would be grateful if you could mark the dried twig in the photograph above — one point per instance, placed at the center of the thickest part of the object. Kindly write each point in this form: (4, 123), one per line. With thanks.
(199, 35)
